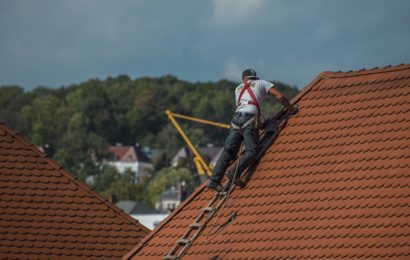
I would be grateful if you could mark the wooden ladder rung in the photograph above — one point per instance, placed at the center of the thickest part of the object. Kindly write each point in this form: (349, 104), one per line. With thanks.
(183, 241)
(195, 225)
(207, 209)
(223, 193)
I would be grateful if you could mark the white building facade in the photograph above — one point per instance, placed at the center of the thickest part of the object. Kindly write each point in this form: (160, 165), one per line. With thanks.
(129, 158)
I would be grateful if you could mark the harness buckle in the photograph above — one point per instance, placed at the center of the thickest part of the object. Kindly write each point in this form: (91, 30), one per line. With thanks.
(252, 119)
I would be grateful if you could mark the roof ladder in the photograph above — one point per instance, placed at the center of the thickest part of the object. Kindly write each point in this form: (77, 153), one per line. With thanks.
(200, 222)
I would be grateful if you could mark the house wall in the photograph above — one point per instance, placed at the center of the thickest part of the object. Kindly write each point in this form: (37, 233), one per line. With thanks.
(166, 204)
(136, 167)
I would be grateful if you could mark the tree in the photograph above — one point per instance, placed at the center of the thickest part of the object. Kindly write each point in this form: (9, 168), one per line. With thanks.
(167, 178)
(47, 118)
(79, 121)
(108, 175)
(91, 101)
(78, 147)
(122, 185)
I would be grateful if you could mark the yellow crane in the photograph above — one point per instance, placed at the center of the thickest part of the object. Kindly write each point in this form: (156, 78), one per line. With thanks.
(200, 164)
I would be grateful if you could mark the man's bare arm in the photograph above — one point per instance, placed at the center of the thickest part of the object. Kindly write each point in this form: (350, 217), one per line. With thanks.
(282, 99)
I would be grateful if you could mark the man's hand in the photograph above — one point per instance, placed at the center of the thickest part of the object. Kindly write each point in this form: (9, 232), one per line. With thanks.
(284, 101)
(294, 110)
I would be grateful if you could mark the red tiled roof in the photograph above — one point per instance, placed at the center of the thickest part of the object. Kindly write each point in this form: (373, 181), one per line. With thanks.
(47, 213)
(128, 153)
(120, 151)
(334, 184)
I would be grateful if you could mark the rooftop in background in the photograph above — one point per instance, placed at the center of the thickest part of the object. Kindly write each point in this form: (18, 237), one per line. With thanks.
(128, 153)
(135, 208)
(209, 153)
(334, 184)
(147, 216)
(45, 212)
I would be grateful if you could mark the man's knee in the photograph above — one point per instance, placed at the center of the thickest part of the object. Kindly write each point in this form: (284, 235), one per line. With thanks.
(254, 153)
(251, 153)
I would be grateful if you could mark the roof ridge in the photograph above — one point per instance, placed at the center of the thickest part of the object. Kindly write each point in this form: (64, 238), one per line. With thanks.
(72, 178)
(364, 71)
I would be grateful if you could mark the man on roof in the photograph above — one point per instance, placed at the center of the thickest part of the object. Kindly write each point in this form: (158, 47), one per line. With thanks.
(245, 126)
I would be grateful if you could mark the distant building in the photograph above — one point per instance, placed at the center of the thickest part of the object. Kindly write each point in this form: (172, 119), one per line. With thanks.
(210, 154)
(146, 215)
(129, 157)
(46, 149)
(171, 198)
(152, 153)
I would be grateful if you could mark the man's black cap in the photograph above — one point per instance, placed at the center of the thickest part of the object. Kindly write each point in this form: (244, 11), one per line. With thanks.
(248, 74)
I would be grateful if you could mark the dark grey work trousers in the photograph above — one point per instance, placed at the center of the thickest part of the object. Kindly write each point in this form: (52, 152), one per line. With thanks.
(249, 136)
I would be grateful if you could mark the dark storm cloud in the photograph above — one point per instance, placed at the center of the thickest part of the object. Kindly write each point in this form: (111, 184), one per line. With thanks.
(52, 43)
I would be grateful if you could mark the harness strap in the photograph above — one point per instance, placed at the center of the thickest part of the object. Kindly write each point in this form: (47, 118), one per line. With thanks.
(248, 103)
(237, 127)
(254, 101)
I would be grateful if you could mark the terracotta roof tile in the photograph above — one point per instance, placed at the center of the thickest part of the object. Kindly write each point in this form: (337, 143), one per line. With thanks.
(47, 213)
(334, 184)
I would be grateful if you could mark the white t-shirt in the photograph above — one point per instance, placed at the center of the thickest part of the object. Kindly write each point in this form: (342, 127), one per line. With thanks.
(260, 89)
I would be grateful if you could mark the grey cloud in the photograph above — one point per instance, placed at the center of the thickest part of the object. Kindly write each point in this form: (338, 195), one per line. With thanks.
(48, 42)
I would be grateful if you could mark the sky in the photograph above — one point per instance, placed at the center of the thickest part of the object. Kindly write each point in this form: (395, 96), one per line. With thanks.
(55, 43)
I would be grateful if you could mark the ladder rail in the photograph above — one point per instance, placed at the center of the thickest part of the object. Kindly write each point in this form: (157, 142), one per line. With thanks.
(219, 199)
(196, 234)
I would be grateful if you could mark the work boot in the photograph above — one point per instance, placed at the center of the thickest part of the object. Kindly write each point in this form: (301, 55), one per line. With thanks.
(214, 185)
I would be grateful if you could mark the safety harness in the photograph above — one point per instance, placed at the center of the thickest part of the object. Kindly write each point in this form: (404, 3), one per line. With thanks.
(247, 87)
(253, 102)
